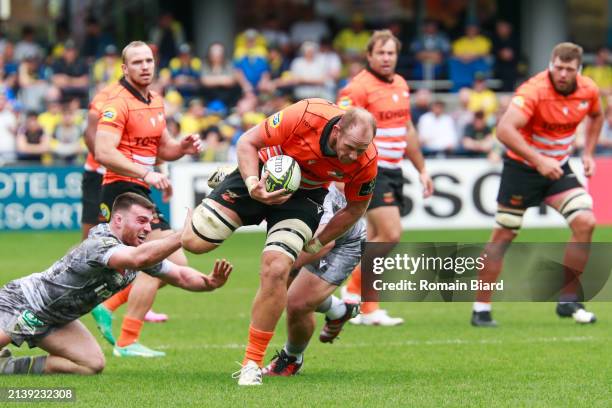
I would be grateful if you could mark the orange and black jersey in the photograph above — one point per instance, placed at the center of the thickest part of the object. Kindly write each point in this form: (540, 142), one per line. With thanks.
(302, 131)
(140, 122)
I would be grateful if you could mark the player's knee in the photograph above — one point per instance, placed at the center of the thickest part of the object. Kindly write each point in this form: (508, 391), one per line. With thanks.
(275, 270)
(95, 364)
(288, 237)
(584, 223)
(297, 306)
(509, 219)
(503, 235)
(209, 228)
(577, 205)
(390, 235)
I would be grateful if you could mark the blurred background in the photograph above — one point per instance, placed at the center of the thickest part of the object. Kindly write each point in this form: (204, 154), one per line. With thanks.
(224, 65)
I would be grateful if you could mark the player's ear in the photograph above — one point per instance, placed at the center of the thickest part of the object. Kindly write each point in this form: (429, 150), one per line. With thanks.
(550, 66)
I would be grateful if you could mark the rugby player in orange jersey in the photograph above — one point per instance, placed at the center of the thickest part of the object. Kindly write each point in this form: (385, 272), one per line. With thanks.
(131, 137)
(538, 129)
(329, 144)
(386, 95)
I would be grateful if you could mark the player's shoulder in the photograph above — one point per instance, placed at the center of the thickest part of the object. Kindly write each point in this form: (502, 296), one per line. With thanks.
(369, 157)
(586, 84)
(537, 83)
(399, 80)
(322, 107)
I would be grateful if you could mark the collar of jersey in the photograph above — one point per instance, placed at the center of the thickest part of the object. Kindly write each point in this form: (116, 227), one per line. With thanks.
(325, 149)
(134, 92)
(378, 76)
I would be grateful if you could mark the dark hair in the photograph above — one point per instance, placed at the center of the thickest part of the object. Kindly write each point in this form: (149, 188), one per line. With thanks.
(125, 201)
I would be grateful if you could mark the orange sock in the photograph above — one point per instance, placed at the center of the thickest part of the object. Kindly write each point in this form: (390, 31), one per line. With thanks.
(118, 298)
(354, 284)
(258, 343)
(369, 307)
(130, 331)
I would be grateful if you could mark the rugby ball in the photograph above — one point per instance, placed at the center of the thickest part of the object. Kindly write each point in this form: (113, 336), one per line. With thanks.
(283, 172)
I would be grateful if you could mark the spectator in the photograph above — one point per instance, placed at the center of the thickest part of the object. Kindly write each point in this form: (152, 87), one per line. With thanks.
(601, 72)
(10, 65)
(250, 43)
(330, 59)
(272, 32)
(8, 127)
(430, 50)
(173, 104)
(477, 141)
(352, 41)
(437, 131)
(95, 41)
(215, 147)
(604, 145)
(191, 121)
(422, 102)
(52, 117)
(66, 144)
(462, 116)
(108, 68)
(70, 75)
(253, 68)
(308, 29)
(219, 78)
(33, 80)
(506, 51)
(471, 54)
(310, 75)
(174, 128)
(185, 71)
(483, 99)
(32, 142)
(27, 46)
(167, 36)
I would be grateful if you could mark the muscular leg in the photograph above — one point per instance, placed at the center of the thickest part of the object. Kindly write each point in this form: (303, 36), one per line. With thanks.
(305, 294)
(496, 248)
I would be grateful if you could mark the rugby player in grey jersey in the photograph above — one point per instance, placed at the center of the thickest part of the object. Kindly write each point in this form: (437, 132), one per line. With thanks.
(42, 309)
(315, 278)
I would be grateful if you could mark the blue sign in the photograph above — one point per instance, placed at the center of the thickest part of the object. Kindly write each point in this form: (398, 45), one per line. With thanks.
(45, 198)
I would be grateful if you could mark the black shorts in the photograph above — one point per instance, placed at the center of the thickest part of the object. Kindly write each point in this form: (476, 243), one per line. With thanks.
(304, 205)
(112, 190)
(388, 189)
(522, 186)
(91, 186)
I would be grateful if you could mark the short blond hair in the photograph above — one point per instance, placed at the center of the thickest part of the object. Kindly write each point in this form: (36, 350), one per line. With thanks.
(384, 36)
(356, 117)
(133, 44)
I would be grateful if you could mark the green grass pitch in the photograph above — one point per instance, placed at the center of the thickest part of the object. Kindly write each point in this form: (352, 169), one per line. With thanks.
(435, 359)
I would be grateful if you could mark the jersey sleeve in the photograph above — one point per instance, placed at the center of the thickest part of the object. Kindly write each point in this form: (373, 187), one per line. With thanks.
(159, 269)
(526, 99)
(99, 250)
(352, 95)
(96, 104)
(114, 116)
(361, 187)
(595, 102)
(280, 127)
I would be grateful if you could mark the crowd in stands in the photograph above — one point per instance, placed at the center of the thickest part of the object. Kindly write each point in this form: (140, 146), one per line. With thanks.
(45, 88)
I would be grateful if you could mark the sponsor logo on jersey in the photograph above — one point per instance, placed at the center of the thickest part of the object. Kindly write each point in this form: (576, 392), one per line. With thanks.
(275, 120)
(367, 188)
(519, 101)
(109, 114)
(583, 105)
(229, 196)
(336, 173)
(565, 110)
(105, 212)
(516, 200)
(345, 102)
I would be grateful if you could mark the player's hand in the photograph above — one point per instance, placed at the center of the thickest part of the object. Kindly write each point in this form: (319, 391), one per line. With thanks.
(219, 275)
(427, 183)
(158, 180)
(313, 246)
(167, 194)
(549, 167)
(589, 165)
(192, 144)
(260, 193)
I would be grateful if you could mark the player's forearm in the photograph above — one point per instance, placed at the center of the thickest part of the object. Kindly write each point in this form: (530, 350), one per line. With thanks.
(593, 130)
(192, 280)
(170, 151)
(414, 154)
(305, 258)
(514, 141)
(248, 161)
(341, 222)
(153, 252)
(115, 161)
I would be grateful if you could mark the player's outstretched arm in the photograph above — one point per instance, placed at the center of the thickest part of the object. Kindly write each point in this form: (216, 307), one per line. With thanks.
(146, 255)
(190, 279)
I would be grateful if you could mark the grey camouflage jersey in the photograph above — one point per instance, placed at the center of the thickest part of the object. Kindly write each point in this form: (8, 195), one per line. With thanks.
(334, 202)
(80, 280)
